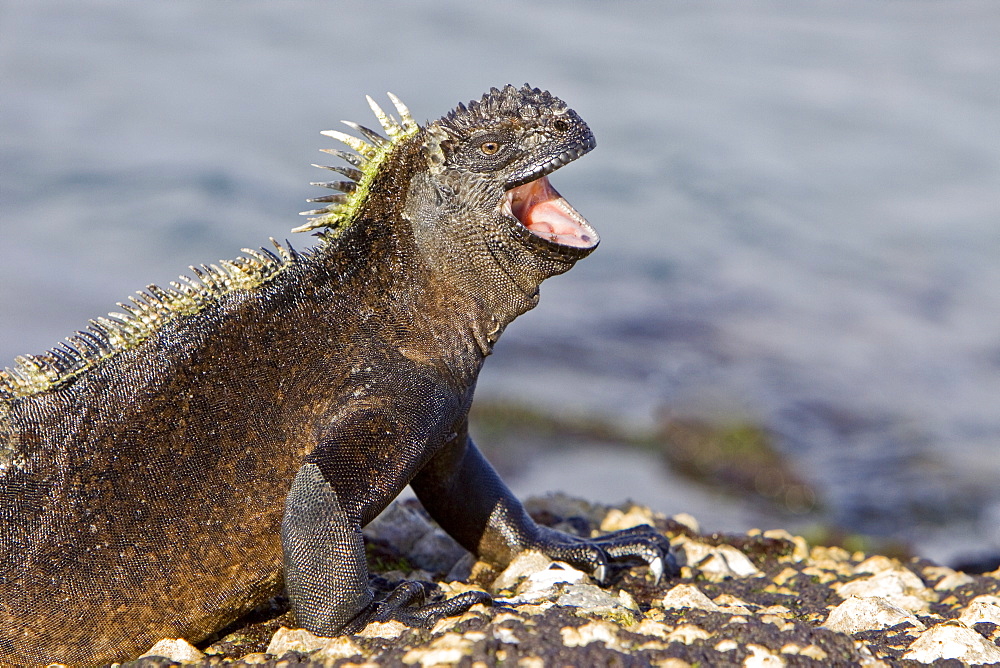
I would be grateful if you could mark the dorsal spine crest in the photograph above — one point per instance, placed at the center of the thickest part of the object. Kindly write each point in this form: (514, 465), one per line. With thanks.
(371, 154)
(149, 310)
(146, 312)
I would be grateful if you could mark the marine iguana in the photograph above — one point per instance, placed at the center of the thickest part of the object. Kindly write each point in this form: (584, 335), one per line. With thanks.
(166, 469)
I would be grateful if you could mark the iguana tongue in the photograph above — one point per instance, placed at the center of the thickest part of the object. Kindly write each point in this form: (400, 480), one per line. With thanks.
(543, 211)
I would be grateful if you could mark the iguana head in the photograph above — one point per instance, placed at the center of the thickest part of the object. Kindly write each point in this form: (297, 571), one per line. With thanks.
(496, 154)
(483, 178)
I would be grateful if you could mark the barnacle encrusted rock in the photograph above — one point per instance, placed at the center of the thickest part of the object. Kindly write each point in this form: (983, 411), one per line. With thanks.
(787, 612)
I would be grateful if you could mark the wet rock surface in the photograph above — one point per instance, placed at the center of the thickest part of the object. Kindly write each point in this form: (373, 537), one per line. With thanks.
(756, 599)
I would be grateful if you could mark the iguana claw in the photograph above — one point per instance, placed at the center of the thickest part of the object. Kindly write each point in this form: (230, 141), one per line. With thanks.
(605, 554)
(406, 604)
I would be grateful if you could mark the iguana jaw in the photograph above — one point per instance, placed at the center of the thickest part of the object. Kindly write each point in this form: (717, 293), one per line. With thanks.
(538, 208)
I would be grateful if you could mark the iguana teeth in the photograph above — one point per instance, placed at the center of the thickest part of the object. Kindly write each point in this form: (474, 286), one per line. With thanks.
(374, 137)
(359, 145)
(349, 172)
(409, 125)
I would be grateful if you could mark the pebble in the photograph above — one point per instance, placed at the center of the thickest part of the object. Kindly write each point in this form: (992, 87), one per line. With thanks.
(731, 604)
(385, 630)
(589, 597)
(616, 520)
(688, 633)
(762, 657)
(175, 649)
(688, 596)
(595, 631)
(687, 520)
(899, 585)
(543, 584)
(294, 640)
(952, 580)
(981, 609)
(337, 648)
(398, 526)
(952, 640)
(858, 614)
(523, 566)
(446, 649)
(715, 562)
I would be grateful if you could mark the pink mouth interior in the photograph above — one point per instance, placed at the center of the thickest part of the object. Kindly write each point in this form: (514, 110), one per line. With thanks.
(545, 213)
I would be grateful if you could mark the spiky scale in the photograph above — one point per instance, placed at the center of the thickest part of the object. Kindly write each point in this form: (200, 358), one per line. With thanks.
(183, 288)
(349, 172)
(356, 160)
(258, 257)
(359, 145)
(88, 338)
(316, 222)
(388, 123)
(68, 348)
(375, 138)
(336, 199)
(409, 125)
(342, 186)
(286, 252)
(159, 293)
(271, 257)
(138, 309)
(151, 298)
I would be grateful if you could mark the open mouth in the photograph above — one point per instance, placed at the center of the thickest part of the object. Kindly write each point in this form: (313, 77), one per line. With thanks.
(544, 213)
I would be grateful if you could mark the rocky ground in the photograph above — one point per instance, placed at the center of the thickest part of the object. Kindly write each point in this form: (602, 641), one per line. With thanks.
(759, 599)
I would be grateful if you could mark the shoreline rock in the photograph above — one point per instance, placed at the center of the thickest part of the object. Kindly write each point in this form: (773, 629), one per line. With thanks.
(754, 599)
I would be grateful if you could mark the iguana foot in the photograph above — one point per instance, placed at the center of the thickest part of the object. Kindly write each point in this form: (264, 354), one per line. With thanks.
(620, 549)
(405, 604)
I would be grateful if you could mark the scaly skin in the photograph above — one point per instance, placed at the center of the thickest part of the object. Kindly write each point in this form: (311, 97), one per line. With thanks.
(161, 487)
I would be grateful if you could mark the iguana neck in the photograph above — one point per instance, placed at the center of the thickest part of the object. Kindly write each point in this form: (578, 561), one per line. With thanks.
(495, 278)
(409, 295)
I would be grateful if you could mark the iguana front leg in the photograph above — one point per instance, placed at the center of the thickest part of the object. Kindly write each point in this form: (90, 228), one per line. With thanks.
(463, 493)
(325, 571)
(324, 555)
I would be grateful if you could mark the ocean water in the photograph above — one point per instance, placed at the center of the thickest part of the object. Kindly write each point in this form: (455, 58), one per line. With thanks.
(799, 205)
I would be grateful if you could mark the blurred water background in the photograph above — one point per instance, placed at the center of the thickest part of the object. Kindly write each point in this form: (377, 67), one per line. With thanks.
(799, 205)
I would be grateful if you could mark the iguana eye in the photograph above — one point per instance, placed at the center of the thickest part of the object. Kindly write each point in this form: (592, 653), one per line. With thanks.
(489, 147)
(560, 125)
